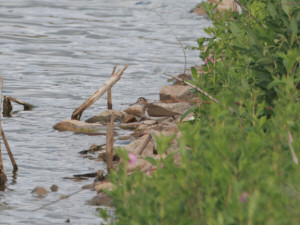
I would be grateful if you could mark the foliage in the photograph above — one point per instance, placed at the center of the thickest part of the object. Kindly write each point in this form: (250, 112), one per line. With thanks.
(237, 165)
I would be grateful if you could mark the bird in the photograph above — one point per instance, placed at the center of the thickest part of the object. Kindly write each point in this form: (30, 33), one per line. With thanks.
(154, 112)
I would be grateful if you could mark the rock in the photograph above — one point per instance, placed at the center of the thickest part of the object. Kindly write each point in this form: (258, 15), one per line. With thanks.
(176, 93)
(198, 10)
(88, 186)
(100, 199)
(100, 186)
(134, 110)
(149, 122)
(124, 138)
(129, 126)
(39, 191)
(54, 188)
(129, 118)
(133, 146)
(102, 157)
(100, 176)
(178, 107)
(225, 5)
(79, 126)
(139, 164)
(105, 116)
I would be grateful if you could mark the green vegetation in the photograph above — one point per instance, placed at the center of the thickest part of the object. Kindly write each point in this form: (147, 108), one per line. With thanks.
(237, 162)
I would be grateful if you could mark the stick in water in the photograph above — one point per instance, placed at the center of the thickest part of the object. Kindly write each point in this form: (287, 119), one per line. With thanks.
(94, 97)
(109, 101)
(3, 177)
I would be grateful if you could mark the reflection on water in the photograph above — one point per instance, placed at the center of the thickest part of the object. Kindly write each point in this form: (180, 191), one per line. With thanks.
(54, 54)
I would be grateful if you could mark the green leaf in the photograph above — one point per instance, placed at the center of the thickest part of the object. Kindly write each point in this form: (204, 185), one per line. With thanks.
(151, 160)
(294, 29)
(245, 84)
(272, 10)
(235, 29)
(194, 73)
(285, 6)
(188, 112)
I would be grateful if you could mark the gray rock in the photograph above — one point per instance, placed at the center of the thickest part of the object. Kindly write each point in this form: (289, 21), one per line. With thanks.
(105, 116)
(176, 93)
(100, 199)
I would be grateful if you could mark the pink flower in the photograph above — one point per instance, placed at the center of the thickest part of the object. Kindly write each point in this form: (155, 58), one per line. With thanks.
(243, 197)
(132, 158)
(162, 165)
(210, 58)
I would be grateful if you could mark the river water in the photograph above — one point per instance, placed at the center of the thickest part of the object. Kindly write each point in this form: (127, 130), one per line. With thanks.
(54, 54)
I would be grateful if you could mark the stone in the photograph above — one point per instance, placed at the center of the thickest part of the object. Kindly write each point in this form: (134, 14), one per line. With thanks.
(54, 188)
(105, 116)
(79, 126)
(100, 186)
(101, 199)
(133, 146)
(223, 6)
(129, 126)
(149, 122)
(140, 164)
(199, 9)
(178, 107)
(124, 138)
(100, 176)
(39, 192)
(129, 118)
(176, 93)
(134, 110)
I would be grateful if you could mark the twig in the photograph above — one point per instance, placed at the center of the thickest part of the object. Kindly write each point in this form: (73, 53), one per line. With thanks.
(109, 101)
(290, 141)
(51, 203)
(3, 177)
(110, 143)
(171, 31)
(94, 97)
(143, 145)
(26, 105)
(193, 86)
(249, 13)
(11, 156)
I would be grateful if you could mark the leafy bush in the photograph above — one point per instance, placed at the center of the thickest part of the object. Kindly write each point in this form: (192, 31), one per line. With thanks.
(239, 158)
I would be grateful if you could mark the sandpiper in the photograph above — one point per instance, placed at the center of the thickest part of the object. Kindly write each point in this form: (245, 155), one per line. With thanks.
(154, 112)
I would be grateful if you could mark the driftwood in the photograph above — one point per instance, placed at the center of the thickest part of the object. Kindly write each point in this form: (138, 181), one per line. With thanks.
(110, 143)
(193, 86)
(27, 106)
(143, 145)
(7, 106)
(109, 101)
(94, 97)
(3, 177)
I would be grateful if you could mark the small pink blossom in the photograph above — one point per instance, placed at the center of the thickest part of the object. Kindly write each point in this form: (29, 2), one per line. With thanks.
(132, 158)
(210, 58)
(243, 197)
(162, 165)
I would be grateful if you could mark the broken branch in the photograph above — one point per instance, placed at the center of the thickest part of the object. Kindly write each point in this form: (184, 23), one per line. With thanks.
(94, 97)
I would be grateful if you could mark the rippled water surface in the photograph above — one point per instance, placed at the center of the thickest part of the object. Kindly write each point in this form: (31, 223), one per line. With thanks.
(54, 54)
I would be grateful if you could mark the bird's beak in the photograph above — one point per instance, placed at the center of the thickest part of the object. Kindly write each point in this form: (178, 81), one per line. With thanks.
(133, 104)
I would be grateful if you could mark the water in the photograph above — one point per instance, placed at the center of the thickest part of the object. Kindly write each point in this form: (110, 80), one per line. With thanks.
(54, 54)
